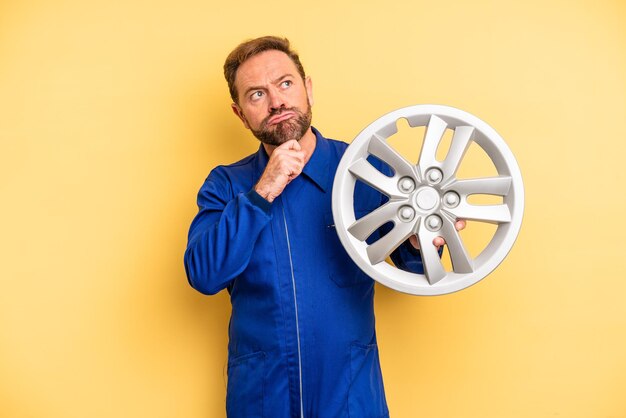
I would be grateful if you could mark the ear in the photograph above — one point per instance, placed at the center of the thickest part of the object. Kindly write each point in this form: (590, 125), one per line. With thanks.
(308, 84)
(237, 111)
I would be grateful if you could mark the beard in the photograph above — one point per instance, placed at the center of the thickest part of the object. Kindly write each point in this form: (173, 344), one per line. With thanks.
(293, 128)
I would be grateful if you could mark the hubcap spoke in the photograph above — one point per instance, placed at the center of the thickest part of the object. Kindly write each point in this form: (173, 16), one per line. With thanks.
(461, 261)
(460, 142)
(368, 174)
(434, 132)
(487, 185)
(483, 213)
(381, 249)
(381, 149)
(433, 269)
(364, 227)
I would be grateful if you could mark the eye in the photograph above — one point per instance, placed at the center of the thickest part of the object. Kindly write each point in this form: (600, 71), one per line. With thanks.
(286, 83)
(256, 95)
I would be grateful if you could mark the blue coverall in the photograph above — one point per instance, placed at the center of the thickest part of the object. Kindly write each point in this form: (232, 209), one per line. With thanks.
(302, 341)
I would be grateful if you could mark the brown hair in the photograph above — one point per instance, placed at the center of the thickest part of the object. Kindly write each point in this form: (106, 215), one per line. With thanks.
(250, 48)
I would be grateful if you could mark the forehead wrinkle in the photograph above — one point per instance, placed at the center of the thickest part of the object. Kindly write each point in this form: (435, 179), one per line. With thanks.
(261, 67)
(275, 81)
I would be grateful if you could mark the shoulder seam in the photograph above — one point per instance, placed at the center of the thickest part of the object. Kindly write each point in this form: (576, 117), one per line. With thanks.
(245, 161)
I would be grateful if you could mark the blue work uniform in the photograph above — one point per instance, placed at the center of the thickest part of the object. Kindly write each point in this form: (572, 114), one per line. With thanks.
(302, 341)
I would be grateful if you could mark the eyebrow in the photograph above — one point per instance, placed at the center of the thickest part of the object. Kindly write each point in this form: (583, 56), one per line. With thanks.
(278, 80)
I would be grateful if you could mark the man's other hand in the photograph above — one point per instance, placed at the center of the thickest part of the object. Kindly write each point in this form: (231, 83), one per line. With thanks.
(285, 164)
(438, 241)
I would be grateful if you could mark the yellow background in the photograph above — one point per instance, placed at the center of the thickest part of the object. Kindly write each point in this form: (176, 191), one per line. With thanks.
(113, 112)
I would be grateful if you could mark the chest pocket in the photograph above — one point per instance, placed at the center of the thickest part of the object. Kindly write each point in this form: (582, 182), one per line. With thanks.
(342, 270)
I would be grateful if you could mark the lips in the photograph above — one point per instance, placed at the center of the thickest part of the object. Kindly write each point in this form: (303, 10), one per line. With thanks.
(281, 117)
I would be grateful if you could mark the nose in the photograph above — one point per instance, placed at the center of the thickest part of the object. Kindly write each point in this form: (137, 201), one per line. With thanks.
(277, 100)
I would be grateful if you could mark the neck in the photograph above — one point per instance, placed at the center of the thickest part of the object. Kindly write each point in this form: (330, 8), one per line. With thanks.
(307, 142)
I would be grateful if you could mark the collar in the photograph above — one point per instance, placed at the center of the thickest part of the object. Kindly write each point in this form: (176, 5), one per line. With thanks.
(316, 169)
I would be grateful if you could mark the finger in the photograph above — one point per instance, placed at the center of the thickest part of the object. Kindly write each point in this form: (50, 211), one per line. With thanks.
(286, 145)
(295, 160)
(287, 162)
(291, 153)
(299, 155)
(294, 167)
(414, 242)
(290, 145)
(439, 241)
(460, 224)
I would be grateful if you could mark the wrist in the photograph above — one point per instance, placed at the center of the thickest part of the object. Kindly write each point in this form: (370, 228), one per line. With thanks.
(258, 201)
(263, 192)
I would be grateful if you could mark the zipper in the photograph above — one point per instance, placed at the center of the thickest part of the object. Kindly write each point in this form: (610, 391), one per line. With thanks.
(295, 301)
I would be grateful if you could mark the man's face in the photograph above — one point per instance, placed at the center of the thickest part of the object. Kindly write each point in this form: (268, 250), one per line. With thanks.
(274, 101)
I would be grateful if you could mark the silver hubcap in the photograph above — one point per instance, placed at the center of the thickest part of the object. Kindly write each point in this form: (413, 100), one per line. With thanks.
(426, 199)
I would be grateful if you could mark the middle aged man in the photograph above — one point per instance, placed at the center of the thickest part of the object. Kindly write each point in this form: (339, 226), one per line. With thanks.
(302, 340)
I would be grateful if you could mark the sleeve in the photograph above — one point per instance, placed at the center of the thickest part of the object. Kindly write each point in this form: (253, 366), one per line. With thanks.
(406, 257)
(222, 235)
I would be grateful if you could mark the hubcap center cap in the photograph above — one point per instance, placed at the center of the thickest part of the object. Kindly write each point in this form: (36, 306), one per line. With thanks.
(427, 198)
